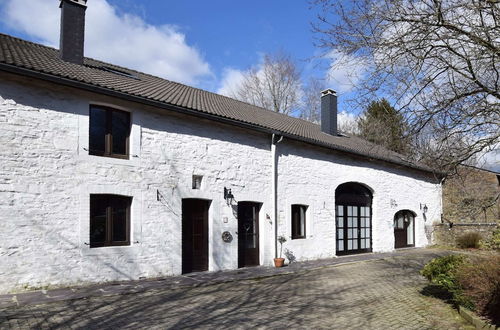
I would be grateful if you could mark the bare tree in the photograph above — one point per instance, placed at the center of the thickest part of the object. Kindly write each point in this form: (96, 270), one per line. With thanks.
(311, 100)
(439, 60)
(275, 85)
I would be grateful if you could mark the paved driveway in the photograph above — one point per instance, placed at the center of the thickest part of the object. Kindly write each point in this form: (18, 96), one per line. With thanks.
(377, 294)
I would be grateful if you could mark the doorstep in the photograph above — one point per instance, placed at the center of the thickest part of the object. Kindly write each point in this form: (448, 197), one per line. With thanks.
(187, 280)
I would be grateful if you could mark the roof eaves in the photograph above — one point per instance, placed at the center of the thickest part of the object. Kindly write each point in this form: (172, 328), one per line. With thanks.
(204, 114)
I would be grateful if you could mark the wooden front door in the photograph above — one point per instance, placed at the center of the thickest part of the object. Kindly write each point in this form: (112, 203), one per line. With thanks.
(404, 222)
(194, 235)
(248, 234)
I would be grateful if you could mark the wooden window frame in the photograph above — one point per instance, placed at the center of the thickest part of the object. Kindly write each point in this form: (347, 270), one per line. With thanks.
(108, 138)
(109, 220)
(345, 228)
(296, 226)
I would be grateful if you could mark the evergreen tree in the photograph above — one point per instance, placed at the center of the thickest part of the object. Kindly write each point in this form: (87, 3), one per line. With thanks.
(380, 123)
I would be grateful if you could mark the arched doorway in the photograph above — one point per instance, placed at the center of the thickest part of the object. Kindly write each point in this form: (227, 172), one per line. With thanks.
(404, 229)
(353, 203)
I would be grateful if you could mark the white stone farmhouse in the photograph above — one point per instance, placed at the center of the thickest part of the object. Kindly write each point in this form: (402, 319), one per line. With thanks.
(109, 174)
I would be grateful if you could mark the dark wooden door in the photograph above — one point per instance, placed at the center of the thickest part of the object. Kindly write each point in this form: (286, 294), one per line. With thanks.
(400, 237)
(404, 222)
(194, 235)
(248, 234)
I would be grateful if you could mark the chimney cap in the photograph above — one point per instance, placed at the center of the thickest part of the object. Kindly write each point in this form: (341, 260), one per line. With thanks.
(328, 91)
(76, 2)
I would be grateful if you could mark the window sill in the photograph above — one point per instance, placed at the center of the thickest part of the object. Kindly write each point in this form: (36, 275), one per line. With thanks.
(108, 250)
(124, 157)
(133, 160)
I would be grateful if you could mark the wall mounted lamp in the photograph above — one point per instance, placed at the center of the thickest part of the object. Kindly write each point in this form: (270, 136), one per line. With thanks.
(228, 196)
(424, 208)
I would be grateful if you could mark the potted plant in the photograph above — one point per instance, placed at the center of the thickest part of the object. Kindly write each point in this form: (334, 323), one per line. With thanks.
(279, 262)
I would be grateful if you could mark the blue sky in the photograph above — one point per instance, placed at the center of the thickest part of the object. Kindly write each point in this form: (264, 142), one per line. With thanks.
(219, 38)
(206, 44)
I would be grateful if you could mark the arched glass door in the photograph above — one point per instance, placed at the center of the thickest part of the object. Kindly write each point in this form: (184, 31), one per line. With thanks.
(353, 219)
(404, 229)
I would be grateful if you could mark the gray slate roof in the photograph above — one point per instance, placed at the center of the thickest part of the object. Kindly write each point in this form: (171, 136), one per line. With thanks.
(24, 57)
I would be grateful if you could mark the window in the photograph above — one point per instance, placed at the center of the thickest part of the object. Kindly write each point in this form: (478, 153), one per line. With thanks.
(109, 220)
(109, 132)
(196, 184)
(299, 221)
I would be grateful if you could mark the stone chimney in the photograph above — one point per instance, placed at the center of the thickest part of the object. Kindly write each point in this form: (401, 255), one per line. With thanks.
(72, 30)
(329, 112)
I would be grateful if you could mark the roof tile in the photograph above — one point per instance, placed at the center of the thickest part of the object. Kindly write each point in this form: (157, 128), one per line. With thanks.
(42, 59)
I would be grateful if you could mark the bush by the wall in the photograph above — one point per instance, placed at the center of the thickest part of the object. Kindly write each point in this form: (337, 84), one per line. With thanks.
(469, 240)
(493, 243)
(480, 281)
(442, 272)
(473, 283)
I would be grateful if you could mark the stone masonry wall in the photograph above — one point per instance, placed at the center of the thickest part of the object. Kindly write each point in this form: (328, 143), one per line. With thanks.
(446, 234)
(46, 177)
(472, 196)
(308, 175)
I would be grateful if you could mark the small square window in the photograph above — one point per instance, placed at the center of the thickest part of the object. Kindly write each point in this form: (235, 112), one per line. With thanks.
(299, 221)
(109, 132)
(197, 181)
(109, 220)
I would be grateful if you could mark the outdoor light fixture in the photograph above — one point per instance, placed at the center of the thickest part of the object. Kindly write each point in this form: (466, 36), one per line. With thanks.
(424, 208)
(228, 196)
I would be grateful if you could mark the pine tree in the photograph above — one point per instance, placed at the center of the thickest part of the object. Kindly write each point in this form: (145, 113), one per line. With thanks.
(380, 123)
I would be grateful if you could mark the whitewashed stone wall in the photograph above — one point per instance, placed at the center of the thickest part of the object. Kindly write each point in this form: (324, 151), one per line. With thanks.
(46, 177)
(309, 175)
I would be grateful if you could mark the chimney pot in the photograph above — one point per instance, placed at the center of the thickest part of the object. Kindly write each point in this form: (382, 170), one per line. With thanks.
(329, 112)
(72, 30)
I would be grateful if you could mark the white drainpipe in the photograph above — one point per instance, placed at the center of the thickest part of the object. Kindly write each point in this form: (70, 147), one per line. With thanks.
(275, 139)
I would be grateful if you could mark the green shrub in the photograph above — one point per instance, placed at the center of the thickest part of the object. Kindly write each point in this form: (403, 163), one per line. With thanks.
(480, 282)
(442, 266)
(442, 272)
(469, 240)
(493, 243)
(471, 282)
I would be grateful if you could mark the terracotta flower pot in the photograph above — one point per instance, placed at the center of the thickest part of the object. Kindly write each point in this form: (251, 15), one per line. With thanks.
(279, 262)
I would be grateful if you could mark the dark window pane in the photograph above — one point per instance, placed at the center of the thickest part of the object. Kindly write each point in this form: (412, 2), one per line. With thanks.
(120, 129)
(120, 214)
(97, 131)
(98, 208)
(109, 220)
(298, 221)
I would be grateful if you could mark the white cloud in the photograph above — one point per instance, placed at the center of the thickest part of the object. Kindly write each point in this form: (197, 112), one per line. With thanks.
(491, 159)
(347, 122)
(120, 39)
(231, 80)
(345, 71)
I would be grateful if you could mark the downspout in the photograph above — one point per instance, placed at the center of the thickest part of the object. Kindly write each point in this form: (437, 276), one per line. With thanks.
(275, 139)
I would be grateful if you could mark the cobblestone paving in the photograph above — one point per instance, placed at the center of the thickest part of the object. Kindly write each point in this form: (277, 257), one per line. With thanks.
(381, 294)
